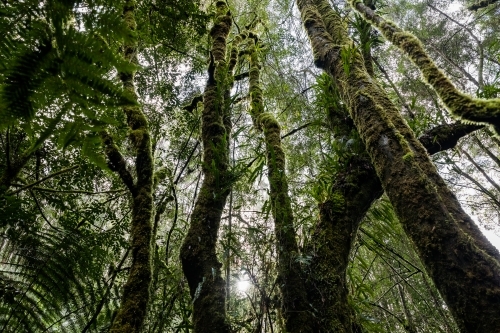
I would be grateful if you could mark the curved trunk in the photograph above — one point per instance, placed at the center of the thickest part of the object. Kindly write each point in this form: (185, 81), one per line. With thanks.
(340, 215)
(463, 265)
(198, 252)
(356, 189)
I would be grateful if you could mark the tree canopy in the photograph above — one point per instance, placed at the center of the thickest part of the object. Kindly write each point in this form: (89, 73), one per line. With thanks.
(249, 166)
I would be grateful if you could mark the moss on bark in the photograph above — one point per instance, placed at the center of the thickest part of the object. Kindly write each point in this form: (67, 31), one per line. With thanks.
(354, 191)
(135, 299)
(198, 252)
(295, 308)
(481, 4)
(460, 105)
(463, 265)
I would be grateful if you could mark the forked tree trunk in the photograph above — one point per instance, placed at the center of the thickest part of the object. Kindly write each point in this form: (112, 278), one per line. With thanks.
(462, 263)
(355, 189)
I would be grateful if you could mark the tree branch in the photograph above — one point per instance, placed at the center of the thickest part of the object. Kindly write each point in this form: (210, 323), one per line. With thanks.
(299, 128)
(116, 162)
(443, 137)
(481, 4)
(46, 178)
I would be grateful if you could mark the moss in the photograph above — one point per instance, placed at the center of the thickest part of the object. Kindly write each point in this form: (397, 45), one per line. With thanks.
(198, 252)
(294, 302)
(408, 156)
(430, 214)
(460, 105)
(336, 27)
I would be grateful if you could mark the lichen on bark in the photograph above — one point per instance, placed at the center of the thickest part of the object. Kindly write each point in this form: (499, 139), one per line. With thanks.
(462, 263)
(295, 307)
(460, 105)
(198, 252)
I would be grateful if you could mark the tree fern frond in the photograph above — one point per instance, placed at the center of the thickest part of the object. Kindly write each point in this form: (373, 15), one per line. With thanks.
(22, 80)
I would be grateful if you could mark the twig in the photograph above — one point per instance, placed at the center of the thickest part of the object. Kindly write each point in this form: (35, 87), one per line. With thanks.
(46, 178)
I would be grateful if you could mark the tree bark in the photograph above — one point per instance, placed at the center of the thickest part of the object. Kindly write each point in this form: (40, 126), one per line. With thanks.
(460, 105)
(462, 263)
(295, 308)
(354, 191)
(198, 252)
(134, 304)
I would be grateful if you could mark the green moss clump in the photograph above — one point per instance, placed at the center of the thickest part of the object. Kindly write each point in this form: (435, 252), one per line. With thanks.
(408, 156)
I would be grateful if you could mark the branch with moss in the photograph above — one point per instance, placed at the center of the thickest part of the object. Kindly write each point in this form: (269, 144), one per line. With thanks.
(481, 4)
(443, 137)
(463, 264)
(295, 306)
(200, 264)
(135, 299)
(460, 105)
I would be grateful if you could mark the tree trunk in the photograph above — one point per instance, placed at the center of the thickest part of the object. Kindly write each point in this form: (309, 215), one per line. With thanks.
(354, 191)
(134, 305)
(295, 308)
(198, 252)
(462, 263)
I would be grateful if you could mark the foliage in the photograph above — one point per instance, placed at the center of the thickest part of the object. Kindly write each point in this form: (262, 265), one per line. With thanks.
(64, 236)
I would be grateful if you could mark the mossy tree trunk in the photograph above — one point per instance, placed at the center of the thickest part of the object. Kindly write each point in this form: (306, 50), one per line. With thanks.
(295, 308)
(460, 105)
(354, 191)
(198, 252)
(134, 304)
(462, 263)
